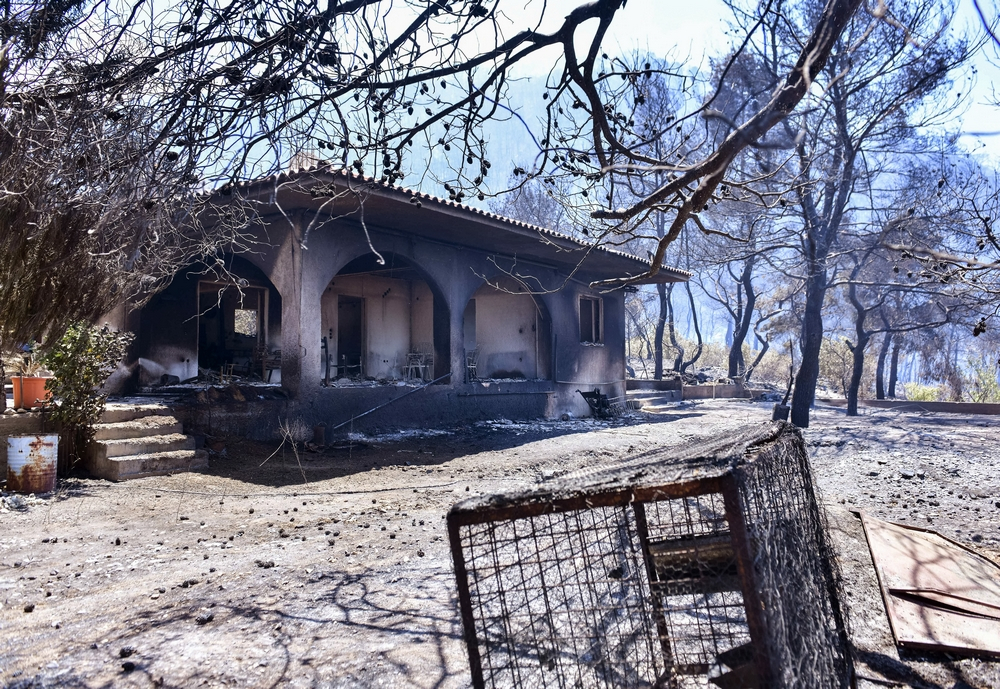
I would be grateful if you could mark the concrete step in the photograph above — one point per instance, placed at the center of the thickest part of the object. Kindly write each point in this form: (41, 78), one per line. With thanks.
(119, 412)
(151, 464)
(153, 444)
(653, 398)
(138, 428)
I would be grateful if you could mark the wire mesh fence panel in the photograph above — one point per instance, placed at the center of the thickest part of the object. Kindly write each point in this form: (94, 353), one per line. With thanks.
(706, 565)
(795, 567)
(560, 600)
(695, 582)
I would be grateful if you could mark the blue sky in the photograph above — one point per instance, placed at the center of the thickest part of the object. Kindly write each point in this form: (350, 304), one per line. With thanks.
(695, 29)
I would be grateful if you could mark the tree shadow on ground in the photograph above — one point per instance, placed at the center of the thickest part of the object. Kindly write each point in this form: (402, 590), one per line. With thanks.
(337, 627)
(270, 464)
(900, 671)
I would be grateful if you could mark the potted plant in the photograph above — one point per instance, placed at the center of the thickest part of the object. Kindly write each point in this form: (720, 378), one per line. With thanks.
(29, 379)
(81, 361)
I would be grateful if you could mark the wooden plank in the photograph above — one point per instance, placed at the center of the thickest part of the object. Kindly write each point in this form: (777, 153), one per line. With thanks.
(939, 594)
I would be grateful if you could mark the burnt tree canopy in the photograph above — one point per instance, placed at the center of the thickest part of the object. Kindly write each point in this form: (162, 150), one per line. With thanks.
(116, 116)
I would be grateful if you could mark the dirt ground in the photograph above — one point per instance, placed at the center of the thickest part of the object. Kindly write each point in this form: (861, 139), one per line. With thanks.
(334, 571)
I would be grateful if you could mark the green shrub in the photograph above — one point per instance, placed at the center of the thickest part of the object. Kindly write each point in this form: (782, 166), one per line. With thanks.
(81, 362)
(982, 379)
(916, 392)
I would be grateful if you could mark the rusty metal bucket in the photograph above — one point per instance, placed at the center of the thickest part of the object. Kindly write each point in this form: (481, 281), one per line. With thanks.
(31, 463)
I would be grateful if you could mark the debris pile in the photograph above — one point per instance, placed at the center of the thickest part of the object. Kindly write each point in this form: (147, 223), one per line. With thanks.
(12, 502)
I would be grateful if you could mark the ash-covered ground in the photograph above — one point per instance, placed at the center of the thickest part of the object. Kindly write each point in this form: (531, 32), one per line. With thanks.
(334, 570)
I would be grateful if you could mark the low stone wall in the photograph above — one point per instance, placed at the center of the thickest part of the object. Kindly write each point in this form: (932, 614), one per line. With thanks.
(691, 392)
(658, 397)
(16, 424)
(653, 385)
(435, 406)
(713, 392)
(254, 419)
(910, 405)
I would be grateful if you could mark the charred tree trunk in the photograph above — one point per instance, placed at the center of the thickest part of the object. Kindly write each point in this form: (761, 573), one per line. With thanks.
(697, 329)
(737, 364)
(644, 336)
(764, 346)
(883, 352)
(812, 341)
(893, 370)
(733, 340)
(857, 368)
(820, 235)
(661, 321)
(863, 337)
(672, 331)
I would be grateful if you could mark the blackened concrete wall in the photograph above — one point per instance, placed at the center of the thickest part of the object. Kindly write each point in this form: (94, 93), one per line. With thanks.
(167, 338)
(510, 332)
(582, 365)
(167, 328)
(453, 274)
(435, 405)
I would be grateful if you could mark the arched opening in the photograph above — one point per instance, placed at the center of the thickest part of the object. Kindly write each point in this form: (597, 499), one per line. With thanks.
(385, 322)
(205, 325)
(239, 323)
(508, 332)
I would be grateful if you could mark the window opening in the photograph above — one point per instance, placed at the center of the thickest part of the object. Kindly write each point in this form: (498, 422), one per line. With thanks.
(590, 320)
(246, 322)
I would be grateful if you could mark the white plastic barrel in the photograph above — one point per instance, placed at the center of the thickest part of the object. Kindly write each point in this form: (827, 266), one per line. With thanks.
(31, 463)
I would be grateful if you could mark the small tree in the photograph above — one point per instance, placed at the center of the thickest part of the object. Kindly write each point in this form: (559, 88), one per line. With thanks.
(82, 360)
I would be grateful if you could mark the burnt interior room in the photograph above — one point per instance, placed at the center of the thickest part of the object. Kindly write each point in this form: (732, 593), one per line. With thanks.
(239, 322)
(384, 321)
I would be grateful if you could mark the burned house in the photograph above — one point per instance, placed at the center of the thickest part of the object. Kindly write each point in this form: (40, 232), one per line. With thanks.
(355, 290)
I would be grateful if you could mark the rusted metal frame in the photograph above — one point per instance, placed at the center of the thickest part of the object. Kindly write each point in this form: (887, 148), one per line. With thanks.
(745, 568)
(642, 527)
(888, 593)
(465, 603)
(538, 507)
(616, 497)
(942, 648)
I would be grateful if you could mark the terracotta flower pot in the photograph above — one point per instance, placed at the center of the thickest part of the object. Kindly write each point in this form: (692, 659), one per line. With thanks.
(29, 391)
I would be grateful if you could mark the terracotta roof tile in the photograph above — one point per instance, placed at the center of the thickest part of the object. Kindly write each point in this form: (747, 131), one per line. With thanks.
(294, 175)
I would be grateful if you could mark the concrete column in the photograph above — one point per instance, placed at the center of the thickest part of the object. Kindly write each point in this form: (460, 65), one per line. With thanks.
(295, 277)
(457, 337)
(287, 277)
(463, 285)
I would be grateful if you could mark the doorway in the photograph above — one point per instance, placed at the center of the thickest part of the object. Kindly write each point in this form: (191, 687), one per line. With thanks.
(231, 325)
(350, 330)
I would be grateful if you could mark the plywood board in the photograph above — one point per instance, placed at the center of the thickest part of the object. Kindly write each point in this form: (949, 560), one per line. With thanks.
(939, 595)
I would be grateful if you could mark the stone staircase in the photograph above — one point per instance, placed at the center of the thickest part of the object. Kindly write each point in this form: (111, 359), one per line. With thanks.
(653, 401)
(135, 440)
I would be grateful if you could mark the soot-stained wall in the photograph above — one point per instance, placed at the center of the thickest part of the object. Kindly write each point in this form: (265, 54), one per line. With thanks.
(511, 330)
(444, 299)
(398, 318)
(167, 328)
(167, 340)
